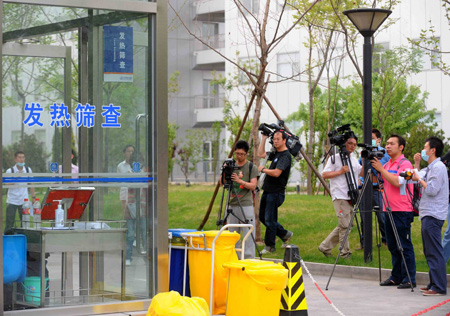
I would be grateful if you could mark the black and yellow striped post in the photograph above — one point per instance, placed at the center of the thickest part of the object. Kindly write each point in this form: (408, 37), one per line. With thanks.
(293, 297)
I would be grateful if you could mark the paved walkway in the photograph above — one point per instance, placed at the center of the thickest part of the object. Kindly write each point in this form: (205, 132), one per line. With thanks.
(356, 297)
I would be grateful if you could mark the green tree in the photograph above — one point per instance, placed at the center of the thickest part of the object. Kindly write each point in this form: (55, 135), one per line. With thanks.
(172, 145)
(416, 139)
(189, 151)
(430, 41)
(35, 154)
(328, 107)
(215, 144)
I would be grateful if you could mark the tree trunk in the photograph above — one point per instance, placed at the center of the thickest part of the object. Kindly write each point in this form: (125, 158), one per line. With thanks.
(256, 161)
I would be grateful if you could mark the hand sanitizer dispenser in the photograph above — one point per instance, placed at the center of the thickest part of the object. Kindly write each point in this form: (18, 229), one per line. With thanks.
(59, 215)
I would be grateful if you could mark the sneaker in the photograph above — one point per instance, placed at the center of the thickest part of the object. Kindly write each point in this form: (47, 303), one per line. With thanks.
(286, 239)
(389, 282)
(432, 293)
(424, 289)
(128, 262)
(326, 254)
(267, 250)
(406, 285)
(346, 256)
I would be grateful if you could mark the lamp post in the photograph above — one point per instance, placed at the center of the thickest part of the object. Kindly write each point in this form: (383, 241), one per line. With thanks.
(367, 21)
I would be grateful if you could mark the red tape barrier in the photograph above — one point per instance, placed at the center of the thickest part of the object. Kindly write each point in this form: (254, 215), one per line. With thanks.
(432, 307)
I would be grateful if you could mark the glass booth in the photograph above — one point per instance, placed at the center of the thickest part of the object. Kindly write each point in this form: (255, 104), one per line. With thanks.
(84, 125)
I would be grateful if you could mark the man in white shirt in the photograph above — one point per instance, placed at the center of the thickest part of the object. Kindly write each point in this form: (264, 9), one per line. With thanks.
(128, 208)
(16, 196)
(341, 201)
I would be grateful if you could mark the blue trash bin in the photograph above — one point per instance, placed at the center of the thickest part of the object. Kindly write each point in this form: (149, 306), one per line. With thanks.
(177, 262)
(14, 258)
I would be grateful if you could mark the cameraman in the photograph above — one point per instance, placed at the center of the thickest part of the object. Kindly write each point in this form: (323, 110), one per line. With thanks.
(402, 213)
(244, 179)
(341, 200)
(432, 213)
(274, 186)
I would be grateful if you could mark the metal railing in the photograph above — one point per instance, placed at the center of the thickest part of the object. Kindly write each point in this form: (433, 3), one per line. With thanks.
(215, 41)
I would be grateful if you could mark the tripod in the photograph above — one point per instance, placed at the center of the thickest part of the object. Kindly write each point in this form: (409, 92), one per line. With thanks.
(228, 185)
(391, 219)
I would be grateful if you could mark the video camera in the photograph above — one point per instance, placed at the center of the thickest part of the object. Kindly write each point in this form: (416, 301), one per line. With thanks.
(340, 135)
(371, 152)
(228, 166)
(406, 174)
(292, 142)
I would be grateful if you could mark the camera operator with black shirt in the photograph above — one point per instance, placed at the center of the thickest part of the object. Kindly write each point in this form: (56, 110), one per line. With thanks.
(274, 186)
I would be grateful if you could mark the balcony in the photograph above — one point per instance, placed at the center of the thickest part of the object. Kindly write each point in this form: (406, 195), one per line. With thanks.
(208, 109)
(207, 59)
(210, 10)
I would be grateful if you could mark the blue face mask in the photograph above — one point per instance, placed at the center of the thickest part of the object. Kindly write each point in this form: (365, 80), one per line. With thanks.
(424, 155)
(374, 143)
(20, 164)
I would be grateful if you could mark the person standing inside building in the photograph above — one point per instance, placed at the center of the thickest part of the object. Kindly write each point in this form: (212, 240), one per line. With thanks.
(402, 213)
(274, 186)
(433, 212)
(341, 200)
(16, 196)
(244, 179)
(128, 207)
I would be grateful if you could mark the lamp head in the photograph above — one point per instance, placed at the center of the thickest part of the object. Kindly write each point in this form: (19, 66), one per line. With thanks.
(367, 20)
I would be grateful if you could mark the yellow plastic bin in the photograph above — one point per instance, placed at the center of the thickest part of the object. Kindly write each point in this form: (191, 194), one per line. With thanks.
(200, 267)
(255, 288)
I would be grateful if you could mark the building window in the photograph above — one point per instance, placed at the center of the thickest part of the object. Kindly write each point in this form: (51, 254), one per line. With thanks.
(210, 95)
(288, 65)
(210, 32)
(379, 57)
(249, 64)
(251, 6)
(280, 4)
(431, 55)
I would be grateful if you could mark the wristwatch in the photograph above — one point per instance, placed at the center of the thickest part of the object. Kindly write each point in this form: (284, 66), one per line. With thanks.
(262, 170)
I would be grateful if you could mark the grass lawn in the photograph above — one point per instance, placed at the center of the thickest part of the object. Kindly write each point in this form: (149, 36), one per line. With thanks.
(311, 218)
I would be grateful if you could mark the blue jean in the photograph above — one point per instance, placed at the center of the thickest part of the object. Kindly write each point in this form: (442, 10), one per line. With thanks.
(268, 215)
(446, 239)
(402, 221)
(131, 231)
(434, 253)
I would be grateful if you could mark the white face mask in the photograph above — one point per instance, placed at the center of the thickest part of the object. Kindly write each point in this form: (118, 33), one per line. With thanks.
(374, 143)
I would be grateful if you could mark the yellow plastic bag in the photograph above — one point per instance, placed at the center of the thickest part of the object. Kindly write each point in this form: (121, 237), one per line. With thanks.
(173, 304)
(200, 267)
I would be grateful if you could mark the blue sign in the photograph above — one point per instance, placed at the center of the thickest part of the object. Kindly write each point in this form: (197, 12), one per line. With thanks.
(136, 167)
(117, 54)
(54, 167)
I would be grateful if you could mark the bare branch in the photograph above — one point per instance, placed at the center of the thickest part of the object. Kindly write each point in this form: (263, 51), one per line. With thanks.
(275, 42)
(354, 61)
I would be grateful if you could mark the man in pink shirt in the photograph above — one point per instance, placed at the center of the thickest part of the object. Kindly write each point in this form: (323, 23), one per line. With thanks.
(402, 214)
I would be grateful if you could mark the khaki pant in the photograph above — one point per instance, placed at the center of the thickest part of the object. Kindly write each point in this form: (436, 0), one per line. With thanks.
(343, 211)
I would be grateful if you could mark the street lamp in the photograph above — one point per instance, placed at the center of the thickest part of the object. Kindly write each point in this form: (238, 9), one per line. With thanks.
(367, 21)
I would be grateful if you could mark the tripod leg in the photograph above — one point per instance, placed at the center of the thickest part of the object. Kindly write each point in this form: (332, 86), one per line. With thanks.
(378, 238)
(219, 214)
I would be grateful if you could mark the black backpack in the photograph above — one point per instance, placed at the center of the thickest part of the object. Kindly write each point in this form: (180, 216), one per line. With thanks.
(26, 168)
